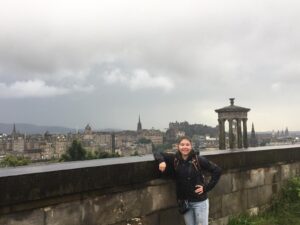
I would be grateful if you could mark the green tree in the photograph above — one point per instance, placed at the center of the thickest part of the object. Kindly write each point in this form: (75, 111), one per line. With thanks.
(144, 141)
(102, 155)
(75, 152)
(90, 155)
(162, 147)
(11, 160)
(136, 153)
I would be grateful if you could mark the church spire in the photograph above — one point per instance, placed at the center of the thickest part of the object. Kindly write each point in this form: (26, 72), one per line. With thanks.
(14, 131)
(139, 126)
(253, 139)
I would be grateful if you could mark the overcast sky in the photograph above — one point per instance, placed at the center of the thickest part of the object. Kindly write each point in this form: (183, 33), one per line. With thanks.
(73, 62)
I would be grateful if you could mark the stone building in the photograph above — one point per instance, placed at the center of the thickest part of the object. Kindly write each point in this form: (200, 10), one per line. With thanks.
(156, 136)
(172, 134)
(135, 149)
(103, 141)
(125, 138)
(61, 145)
(16, 141)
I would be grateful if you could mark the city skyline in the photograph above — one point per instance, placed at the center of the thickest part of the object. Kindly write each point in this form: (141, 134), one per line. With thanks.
(7, 128)
(70, 63)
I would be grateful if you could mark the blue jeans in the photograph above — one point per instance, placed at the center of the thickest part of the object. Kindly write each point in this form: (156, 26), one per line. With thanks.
(198, 213)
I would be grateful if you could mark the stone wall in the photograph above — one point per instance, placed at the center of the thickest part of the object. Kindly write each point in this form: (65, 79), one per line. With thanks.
(130, 191)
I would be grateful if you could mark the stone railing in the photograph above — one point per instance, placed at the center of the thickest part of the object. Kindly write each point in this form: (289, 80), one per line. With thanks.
(130, 191)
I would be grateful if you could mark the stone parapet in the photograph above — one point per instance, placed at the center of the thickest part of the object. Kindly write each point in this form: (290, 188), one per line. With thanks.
(129, 190)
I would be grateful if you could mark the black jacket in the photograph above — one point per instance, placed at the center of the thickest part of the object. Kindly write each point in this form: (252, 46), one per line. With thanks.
(187, 176)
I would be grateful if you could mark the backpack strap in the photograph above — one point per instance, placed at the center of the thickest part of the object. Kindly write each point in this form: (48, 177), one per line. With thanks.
(176, 163)
(196, 163)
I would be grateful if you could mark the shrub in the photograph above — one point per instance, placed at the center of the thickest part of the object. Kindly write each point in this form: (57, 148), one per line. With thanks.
(284, 209)
(11, 160)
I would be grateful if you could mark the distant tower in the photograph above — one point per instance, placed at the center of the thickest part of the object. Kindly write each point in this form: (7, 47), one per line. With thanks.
(88, 129)
(282, 133)
(113, 142)
(286, 133)
(139, 126)
(14, 131)
(273, 134)
(233, 114)
(253, 139)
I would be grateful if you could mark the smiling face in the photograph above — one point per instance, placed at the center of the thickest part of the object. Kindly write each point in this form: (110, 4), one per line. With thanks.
(185, 147)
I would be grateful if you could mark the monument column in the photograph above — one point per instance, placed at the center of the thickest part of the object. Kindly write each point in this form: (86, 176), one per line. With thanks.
(245, 133)
(222, 143)
(231, 137)
(239, 134)
(235, 116)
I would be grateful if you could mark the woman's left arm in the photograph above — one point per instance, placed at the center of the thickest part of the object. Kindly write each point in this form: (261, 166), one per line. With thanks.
(213, 169)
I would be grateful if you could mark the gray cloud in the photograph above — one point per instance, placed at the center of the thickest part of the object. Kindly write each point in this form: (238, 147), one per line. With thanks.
(181, 59)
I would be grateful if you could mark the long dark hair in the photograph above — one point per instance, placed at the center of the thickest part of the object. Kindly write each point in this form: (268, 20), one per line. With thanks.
(184, 138)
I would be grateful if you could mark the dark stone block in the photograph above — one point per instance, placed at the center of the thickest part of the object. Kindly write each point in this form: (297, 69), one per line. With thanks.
(33, 217)
(215, 207)
(272, 175)
(152, 219)
(64, 214)
(265, 195)
(234, 203)
(170, 217)
(252, 195)
(224, 186)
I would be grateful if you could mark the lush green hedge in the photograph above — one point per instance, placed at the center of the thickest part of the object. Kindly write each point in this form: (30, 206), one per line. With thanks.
(284, 210)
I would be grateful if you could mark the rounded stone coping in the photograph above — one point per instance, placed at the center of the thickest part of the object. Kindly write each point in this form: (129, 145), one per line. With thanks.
(34, 169)
(250, 149)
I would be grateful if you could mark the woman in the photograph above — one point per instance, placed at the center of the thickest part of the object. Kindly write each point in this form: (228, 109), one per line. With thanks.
(187, 168)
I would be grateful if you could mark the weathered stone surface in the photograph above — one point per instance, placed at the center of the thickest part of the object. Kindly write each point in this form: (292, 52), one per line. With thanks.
(63, 214)
(33, 217)
(254, 178)
(152, 219)
(234, 203)
(220, 221)
(160, 197)
(157, 182)
(265, 195)
(253, 211)
(289, 170)
(272, 175)
(104, 194)
(295, 169)
(252, 197)
(110, 209)
(237, 181)
(129, 204)
(42, 182)
(285, 171)
(132, 221)
(215, 207)
(170, 217)
(224, 185)
(276, 188)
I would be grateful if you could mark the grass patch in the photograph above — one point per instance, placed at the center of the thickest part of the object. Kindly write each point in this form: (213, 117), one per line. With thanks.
(284, 210)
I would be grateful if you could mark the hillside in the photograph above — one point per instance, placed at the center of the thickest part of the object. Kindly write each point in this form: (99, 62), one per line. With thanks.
(34, 129)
